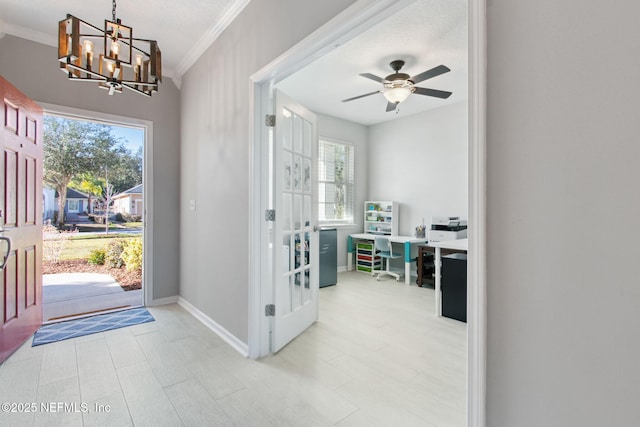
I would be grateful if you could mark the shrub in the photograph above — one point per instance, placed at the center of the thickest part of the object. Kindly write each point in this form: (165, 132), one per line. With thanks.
(132, 254)
(97, 257)
(113, 254)
(127, 217)
(54, 241)
(98, 219)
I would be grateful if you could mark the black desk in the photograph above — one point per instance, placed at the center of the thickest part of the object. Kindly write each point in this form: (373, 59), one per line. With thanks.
(426, 254)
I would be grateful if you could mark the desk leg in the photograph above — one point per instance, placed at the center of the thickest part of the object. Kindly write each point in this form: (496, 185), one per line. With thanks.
(438, 298)
(407, 262)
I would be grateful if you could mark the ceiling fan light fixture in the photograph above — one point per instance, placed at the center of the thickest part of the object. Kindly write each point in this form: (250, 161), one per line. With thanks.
(398, 86)
(396, 93)
(109, 56)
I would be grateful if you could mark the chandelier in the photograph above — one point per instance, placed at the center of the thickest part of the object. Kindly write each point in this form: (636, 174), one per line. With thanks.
(112, 57)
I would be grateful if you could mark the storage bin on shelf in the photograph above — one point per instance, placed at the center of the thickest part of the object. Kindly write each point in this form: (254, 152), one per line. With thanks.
(366, 259)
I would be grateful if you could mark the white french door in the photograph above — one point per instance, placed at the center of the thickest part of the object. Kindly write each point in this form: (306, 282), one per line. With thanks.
(296, 235)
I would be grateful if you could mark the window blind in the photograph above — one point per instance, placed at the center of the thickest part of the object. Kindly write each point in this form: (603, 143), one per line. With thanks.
(335, 182)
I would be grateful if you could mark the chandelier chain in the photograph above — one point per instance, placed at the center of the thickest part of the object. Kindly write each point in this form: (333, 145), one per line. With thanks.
(113, 9)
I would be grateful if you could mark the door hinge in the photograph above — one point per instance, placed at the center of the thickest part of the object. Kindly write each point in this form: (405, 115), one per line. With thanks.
(270, 215)
(270, 120)
(270, 310)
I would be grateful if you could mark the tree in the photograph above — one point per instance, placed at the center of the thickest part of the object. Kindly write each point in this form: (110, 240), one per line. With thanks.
(108, 195)
(128, 172)
(73, 149)
(66, 154)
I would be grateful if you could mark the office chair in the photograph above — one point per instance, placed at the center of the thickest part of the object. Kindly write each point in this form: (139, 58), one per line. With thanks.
(383, 245)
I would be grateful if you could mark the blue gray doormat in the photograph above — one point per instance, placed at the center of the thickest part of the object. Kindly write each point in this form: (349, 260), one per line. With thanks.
(90, 325)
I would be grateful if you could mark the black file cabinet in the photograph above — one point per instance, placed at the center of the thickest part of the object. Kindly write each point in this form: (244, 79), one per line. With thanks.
(454, 286)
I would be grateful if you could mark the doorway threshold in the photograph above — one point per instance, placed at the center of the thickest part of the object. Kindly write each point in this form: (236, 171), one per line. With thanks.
(74, 295)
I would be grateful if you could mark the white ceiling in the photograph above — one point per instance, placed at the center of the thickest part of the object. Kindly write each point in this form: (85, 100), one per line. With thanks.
(183, 28)
(425, 34)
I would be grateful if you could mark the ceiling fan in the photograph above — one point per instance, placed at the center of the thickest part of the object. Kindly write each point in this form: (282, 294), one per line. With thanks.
(398, 86)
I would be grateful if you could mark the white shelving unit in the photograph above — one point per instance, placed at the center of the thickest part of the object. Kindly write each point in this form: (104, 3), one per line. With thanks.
(381, 217)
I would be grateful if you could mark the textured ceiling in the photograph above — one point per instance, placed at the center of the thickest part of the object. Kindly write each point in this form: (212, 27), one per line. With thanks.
(183, 28)
(425, 34)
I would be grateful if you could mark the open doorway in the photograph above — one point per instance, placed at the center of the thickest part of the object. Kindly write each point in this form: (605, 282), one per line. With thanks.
(93, 216)
(313, 48)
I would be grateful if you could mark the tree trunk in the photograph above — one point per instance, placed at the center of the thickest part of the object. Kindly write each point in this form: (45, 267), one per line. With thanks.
(62, 201)
(106, 218)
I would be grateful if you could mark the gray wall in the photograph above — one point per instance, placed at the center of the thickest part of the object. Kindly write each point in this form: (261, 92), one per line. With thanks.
(356, 134)
(563, 208)
(421, 162)
(32, 68)
(216, 118)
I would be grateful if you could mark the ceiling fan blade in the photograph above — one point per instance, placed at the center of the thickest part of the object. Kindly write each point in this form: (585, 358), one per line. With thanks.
(391, 106)
(373, 77)
(435, 71)
(360, 96)
(432, 92)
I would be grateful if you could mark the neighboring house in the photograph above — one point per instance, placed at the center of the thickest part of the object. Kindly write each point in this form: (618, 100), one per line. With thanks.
(49, 204)
(77, 202)
(129, 201)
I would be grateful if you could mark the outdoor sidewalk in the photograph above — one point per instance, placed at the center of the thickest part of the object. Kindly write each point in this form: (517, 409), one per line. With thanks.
(73, 294)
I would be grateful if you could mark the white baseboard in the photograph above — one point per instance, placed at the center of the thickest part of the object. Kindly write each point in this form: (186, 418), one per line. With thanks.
(227, 336)
(342, 268)
(163, 301)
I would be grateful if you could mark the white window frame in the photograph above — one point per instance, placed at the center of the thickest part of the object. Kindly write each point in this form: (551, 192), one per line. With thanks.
(352, 185)
(71, 203)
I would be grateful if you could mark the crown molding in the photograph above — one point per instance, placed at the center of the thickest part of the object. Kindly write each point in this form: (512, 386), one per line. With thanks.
(210, 36)
(175, 74)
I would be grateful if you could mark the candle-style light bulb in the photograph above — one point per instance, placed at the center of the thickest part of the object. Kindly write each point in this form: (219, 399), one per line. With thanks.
(115, 49)
(88, 48)
(138, 67)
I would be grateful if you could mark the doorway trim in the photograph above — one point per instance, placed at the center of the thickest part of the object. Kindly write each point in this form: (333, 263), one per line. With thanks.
(352, 21)
(147, 196)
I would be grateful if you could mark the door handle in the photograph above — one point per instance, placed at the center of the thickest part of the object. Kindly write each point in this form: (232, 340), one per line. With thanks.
(5, 257)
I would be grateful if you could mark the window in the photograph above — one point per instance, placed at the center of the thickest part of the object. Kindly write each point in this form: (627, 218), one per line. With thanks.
(335, 182)
(72, 205)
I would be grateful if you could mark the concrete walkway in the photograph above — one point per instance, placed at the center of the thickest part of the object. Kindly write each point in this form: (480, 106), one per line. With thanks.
(73, 294)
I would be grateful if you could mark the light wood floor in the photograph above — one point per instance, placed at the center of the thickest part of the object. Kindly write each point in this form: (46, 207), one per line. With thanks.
(376, 357)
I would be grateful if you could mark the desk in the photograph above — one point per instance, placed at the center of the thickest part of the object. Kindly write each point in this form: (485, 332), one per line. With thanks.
(407, 241)
(456, 245)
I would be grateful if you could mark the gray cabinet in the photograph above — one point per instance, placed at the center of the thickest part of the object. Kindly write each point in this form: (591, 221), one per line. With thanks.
(328, 257)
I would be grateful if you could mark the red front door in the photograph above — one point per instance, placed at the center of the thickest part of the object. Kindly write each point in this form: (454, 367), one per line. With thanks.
(20, 218)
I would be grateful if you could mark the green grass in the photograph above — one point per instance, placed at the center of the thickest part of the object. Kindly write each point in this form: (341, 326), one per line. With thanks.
(80, 247)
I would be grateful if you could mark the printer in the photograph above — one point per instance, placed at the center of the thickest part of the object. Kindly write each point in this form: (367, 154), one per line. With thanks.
(447, 228)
